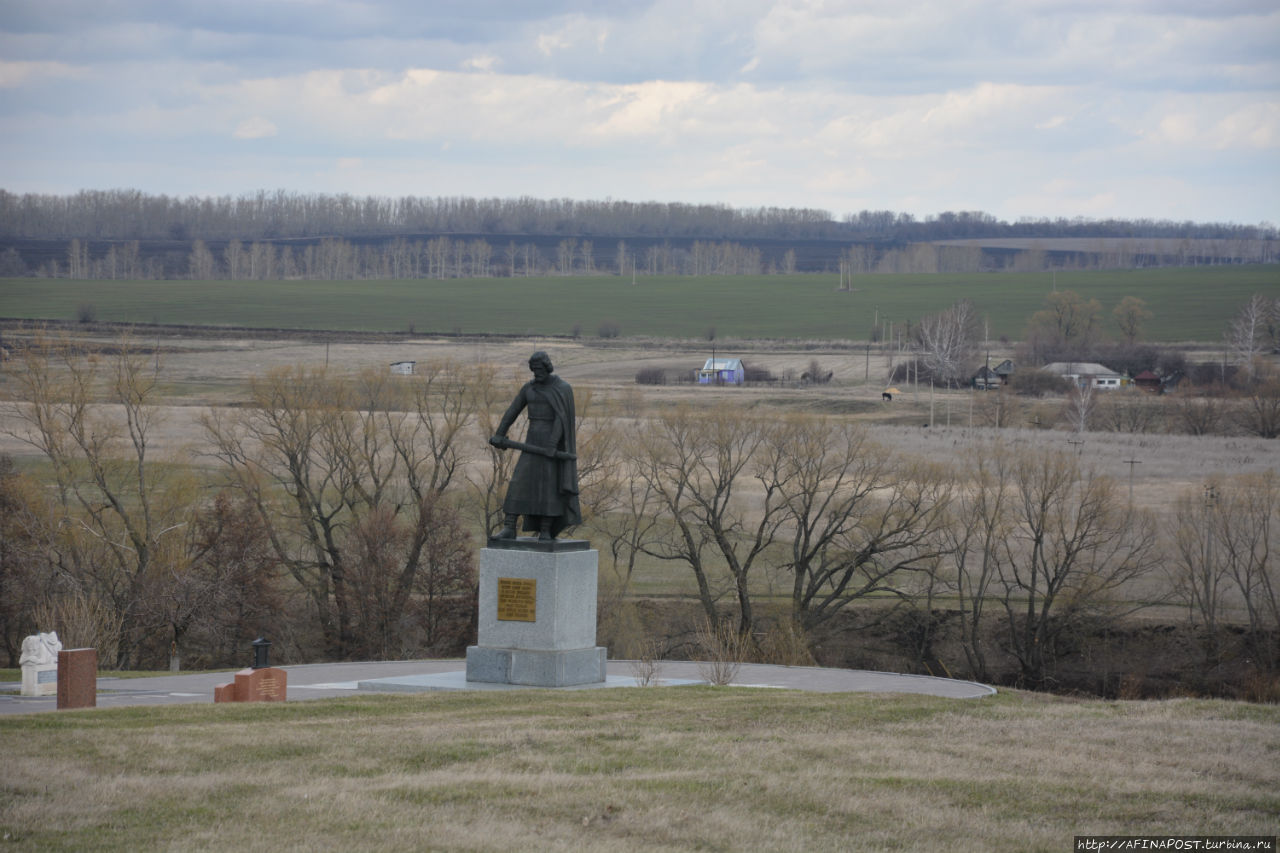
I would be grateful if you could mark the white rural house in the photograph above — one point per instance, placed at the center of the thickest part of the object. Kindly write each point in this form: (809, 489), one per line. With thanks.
(1088, 373)
(722, 371)
(403, 368)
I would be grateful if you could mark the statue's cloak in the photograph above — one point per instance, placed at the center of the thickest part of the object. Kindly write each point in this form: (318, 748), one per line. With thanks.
(541, 486)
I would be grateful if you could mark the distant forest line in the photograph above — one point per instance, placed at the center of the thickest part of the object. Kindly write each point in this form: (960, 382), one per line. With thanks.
(127, 234)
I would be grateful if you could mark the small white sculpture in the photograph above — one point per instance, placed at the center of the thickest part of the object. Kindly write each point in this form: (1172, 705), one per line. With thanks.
(40, 650)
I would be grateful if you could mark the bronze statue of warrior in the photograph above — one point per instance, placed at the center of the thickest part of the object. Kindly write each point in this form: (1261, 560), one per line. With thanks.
(544, 486)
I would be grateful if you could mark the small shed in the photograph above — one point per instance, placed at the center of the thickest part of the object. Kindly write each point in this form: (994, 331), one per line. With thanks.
(993, 377)
(403, 368)
(722, 371)
(1148, 381)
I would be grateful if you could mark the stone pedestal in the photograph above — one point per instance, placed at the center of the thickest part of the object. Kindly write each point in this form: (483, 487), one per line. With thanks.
(267, 684)
(40, 679)
(537, 623)
(77, 678)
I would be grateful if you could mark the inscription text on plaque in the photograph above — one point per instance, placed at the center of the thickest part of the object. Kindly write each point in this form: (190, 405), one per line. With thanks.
(517, 599)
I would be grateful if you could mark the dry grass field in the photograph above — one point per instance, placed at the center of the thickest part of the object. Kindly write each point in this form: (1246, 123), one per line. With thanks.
(639, 769)
(198, 373)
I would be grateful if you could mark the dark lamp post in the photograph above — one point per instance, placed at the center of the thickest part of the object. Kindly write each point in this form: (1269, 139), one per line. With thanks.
(261, 653)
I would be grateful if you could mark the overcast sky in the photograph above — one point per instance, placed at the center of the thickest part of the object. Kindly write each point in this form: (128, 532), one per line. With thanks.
(1128, 108)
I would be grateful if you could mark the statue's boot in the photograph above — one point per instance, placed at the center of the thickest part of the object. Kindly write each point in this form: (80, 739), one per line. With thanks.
(508, 528)
(544, 529)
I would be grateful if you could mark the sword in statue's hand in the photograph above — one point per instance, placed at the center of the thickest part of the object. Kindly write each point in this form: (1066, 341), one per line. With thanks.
(502, 442)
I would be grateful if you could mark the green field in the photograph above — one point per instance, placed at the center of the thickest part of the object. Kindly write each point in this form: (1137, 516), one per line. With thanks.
(1191, 304)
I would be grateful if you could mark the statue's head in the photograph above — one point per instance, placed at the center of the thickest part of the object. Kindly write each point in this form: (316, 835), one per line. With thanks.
(540, 360)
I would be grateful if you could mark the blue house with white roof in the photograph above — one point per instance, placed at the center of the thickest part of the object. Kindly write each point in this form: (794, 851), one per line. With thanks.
(722, 371)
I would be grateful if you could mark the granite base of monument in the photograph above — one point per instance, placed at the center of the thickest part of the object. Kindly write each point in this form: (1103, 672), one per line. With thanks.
(537, 623)
(77, 678)
(40, 679)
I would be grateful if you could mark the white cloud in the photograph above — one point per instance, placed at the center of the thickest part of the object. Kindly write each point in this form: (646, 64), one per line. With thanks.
(574, 32)
(16, 74)
(255, 128)
(482, 62)
(1253, 126)
(972, 104)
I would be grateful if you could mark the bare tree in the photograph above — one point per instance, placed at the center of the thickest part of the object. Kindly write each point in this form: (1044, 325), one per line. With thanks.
(565, 253)
(234, 260)
(1198, 572)
(1122, 412)
(200, 262)
(1249, 534)
(1259, 412)
(694, 465)
(1131, 314)
(490, 397)
(26, 576)
(226, 594)
(1196, 412)
(1064, 328)
(948, 341)
(1080, 405)
(1071, 547)
(116, 519)
(854, 517)
(621, 513)
(333, 469)
(1247, 333)
(980, 522)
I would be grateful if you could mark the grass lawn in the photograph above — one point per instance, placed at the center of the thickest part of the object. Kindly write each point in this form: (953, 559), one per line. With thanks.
(1191, 304)
(9, 674)
(638, 769)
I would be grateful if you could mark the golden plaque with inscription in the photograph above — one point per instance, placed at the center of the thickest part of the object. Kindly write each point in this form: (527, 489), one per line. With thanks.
(517, 600)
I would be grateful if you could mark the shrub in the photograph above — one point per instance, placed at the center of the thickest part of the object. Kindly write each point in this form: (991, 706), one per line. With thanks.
(1037, 383)
(651, 376)
(609, 329)
(1198, 412)
(816, 373)
(721, 650)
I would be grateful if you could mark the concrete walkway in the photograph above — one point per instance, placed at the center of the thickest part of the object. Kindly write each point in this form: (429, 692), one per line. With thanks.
(326, 680)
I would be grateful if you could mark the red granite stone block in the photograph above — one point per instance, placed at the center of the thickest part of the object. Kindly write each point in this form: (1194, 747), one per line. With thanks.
(78, 678)
(261, 685)
(254, 685)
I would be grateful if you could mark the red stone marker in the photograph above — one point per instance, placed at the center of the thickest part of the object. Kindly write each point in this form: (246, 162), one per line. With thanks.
(254, 685)
(77, 678)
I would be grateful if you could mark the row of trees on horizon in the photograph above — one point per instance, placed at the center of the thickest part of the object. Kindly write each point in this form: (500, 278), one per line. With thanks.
(444, 257)
(131, 234)
(126, 214)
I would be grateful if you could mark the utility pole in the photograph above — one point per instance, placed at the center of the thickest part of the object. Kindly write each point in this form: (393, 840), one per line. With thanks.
(1131, 463)
(1210, 502)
